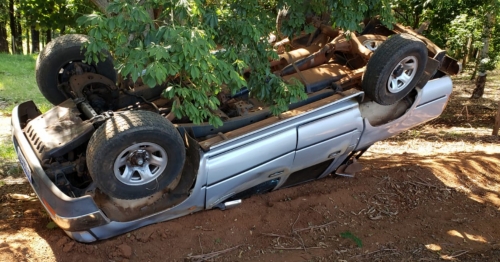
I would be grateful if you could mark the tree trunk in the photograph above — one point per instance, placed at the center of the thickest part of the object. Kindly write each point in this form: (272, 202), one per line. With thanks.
(480, 84)
(28, 50)
(497, 122)
(466, 52)
(48, 36)
(101, 4)
(476, 66)
(481, 78)
(35, 40)
(471, 50)
(19, 31)
(12, 24)
(4, 44)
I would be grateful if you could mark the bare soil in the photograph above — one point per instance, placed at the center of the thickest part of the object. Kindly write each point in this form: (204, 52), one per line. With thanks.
(429, 194)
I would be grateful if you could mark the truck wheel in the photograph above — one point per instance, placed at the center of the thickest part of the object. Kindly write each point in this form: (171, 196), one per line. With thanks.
(394, 69)
(135, 154)
(56, 64)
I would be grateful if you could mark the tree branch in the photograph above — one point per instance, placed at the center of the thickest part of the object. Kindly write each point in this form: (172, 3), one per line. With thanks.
(101, 5)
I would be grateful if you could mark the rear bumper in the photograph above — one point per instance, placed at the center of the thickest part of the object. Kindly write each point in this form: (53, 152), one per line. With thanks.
(74, 215)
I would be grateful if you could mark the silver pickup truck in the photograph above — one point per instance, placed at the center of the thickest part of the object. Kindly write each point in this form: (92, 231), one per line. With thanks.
(107, 158)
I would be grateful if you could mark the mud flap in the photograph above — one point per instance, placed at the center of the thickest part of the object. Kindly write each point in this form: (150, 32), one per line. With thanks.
(349, 169)
(351, 164)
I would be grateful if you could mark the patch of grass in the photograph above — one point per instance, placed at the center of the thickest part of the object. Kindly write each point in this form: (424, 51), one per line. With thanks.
(18, 84)
(8, 160)
(7, 152)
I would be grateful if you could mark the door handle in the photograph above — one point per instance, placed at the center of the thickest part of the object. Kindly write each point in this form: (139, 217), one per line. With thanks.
(334, 154)
(276, 173)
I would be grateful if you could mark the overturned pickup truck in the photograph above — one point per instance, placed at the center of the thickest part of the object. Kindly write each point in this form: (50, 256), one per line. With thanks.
(108, 159)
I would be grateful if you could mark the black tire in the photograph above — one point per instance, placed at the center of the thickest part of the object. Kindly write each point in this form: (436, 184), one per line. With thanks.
(57, 56)
(115, 151)
(386, 80)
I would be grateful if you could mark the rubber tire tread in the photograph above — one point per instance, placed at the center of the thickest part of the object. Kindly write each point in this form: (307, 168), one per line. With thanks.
(58, 53)
(122, 131)
(385, 59)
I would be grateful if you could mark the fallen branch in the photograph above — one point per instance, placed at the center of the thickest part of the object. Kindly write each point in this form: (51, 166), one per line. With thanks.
(379, 194)
(421, 184)
(204, 257)
(376, 251)
(274, 235)
(314, 227)
(296, 248)
(199, 241)
(295, 222)
(22, 197)
(452, 257)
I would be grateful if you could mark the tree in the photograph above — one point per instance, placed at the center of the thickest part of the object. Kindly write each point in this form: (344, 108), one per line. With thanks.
(35, 39)
(177, 45)
(4, 17)
(49, 16)
(102, 5)
(464, 36)
(15, 26)
(4, 44)
(488, 57)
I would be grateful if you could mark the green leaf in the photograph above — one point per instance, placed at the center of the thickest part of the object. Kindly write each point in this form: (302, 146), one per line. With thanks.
(195, 72)
(354, 238)
(51, 225)
(149, 81)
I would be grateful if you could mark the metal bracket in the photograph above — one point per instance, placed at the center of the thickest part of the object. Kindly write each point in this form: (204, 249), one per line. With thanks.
(228, 204)
(351, 164)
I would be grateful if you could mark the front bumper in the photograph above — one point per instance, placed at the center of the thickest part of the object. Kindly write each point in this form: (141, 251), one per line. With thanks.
(74, 215)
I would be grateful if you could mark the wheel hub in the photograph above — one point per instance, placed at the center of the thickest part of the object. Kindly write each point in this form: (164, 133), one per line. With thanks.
(372, 45)
(138, 157)
(140, 164)
(398, 71)
(402, 74)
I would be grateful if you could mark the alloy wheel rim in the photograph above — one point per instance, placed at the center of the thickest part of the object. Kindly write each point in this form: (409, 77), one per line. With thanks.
(402, 74)
(140, 164)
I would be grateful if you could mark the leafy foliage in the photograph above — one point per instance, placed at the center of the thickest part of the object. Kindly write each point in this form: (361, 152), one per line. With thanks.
(345, 14)
(52, 14)
(454, 23)
(200, 47)
(462, 29)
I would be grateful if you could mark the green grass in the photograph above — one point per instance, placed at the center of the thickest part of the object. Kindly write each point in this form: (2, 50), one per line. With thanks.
(7, 152)
(18, 84)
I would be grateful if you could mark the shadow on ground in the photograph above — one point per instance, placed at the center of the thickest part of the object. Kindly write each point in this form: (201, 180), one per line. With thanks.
(400, 207)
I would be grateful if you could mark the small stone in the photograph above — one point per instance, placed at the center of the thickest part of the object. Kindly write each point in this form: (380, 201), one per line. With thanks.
(126, 250)
(62, 241)
(53, 238)
(68, 246)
